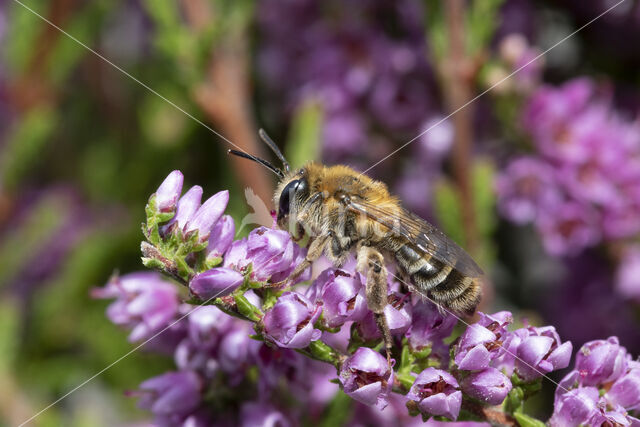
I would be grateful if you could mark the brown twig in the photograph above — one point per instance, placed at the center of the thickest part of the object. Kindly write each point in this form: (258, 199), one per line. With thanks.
(458, 75)
(169, 267)
(225, 97)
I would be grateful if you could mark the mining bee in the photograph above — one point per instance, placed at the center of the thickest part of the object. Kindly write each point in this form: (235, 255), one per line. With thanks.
(343, 210)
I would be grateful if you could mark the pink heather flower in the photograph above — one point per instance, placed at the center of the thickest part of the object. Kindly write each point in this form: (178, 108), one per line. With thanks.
(429, 325)
(145, 302)
(256, 414)
(221, 237)
(569, 228)
(171, 394)
(341, 294)
(526, 187)
(207, 215)
(489, 385)
(187, 207)
(482, 342)
(272, 254)
(169, 191)
(601, 361)
(625, 391)
(575, 407)
(290, 322)
(214, 283)
(366, 377)
(437, 393)
(540, 352)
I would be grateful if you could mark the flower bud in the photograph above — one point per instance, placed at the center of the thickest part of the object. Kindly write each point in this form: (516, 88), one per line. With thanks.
(214, 283)
(169, 191)
(221, 237)
(290, 321)
(145, 302)
(437, 393)
(207, 215)
(187, 206)
(601, 361)
(489, 385)
(366, 377)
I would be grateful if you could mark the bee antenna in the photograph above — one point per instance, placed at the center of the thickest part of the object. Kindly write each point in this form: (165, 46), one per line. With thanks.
(267, 140)
(263, 162)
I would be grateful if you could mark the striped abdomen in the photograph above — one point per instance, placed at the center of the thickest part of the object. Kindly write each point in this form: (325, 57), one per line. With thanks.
(438, 281)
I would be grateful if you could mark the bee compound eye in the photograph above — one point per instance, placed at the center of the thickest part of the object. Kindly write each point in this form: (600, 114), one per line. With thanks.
(288, 193)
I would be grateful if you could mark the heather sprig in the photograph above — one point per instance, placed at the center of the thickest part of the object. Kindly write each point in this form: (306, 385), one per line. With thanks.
(240, 338)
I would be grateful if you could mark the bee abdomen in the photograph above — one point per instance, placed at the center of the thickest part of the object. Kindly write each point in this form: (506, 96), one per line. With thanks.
(426, 273)
(460, 294)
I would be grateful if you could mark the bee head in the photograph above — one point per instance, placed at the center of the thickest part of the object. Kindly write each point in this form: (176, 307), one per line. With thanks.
(292, 185)
(290, 195)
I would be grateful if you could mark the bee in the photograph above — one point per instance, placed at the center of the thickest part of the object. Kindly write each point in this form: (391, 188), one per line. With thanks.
(343, 210)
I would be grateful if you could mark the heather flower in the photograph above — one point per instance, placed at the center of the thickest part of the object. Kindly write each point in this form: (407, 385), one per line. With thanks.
(366, 377)
(574, 407)
(429, 325)
(397, 312)
(272, 254)
(437, 393)
(489, 385)
(168, 192)
(207, 215)
(526, 187)
(481, 342)
(221, 237)
(569, 228)
(625, 391)
(171, 395)
(256, 414)
(234, 353)
(341, 295)
(290, 322)
(214, 283)
(145, 302)
(541, 352)
(186, 208)
(601, 361)
(206, 324)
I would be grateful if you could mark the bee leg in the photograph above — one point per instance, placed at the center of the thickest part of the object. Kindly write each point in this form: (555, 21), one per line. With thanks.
(371, 264)
(316, 247)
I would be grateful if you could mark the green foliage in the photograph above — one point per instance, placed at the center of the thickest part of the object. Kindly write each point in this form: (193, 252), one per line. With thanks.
(25, 145)
(303, 143)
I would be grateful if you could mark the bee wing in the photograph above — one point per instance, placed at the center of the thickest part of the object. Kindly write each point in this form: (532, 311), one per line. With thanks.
(423, 235)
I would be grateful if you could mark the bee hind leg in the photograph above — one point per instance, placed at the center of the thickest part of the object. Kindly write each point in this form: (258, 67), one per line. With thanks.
(371, 264)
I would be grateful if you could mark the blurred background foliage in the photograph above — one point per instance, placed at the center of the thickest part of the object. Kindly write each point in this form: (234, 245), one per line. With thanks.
(86, 137)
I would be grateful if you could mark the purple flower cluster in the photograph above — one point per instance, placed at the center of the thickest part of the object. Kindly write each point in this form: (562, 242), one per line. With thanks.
(582, 184)
(217, 358)
(490, 351)
(369, 83)
(601, 390)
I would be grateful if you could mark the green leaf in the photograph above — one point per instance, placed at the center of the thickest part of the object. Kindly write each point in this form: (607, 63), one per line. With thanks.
(484, 201)
(303, 143)
(448, 211)
(246, 308)
(24, 147)
(322, 351)
(527, 421)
